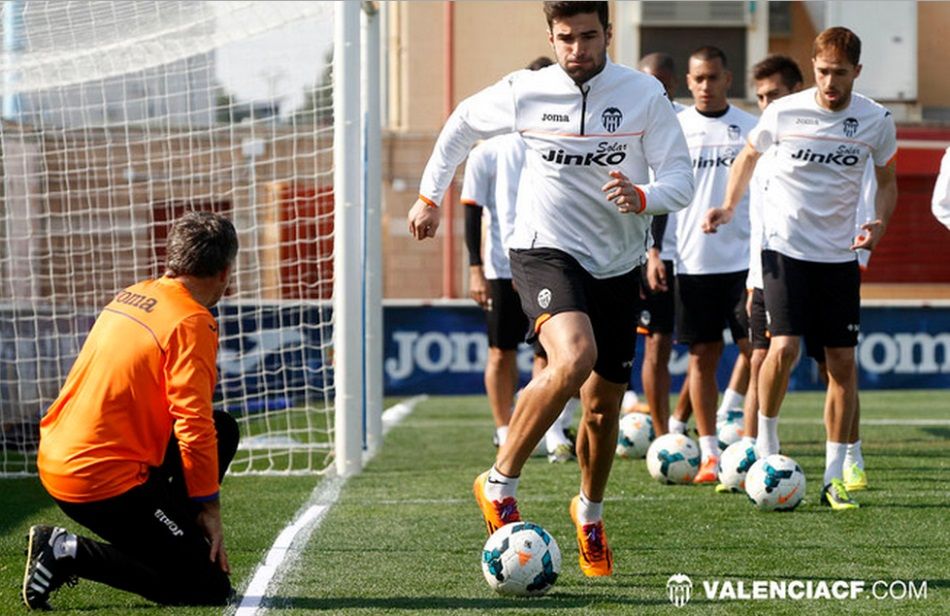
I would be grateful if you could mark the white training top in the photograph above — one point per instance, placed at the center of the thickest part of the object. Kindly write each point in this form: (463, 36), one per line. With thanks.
(491, 182)
(713, 144)
(812, 197)
(757, 188)
(940, 205)
(619, 119)
(668, 251)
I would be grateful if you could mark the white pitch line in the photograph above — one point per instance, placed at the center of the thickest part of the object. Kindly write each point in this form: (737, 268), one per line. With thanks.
(294, 537)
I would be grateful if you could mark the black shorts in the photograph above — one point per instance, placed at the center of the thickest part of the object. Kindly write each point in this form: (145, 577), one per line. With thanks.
(656, 317)
(550, 282)
(821, 301)
(708, 303)
(505, 319)
(758, 323)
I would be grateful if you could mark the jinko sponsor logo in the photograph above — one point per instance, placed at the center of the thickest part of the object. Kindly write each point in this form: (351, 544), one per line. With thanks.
(679, 588)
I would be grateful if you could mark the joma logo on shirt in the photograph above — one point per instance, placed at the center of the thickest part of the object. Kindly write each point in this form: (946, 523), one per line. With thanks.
(830, 158)
(555, 117)
(135, 300)
(604, 159)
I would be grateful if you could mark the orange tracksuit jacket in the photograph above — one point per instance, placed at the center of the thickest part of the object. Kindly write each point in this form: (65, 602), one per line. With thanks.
(148, 364)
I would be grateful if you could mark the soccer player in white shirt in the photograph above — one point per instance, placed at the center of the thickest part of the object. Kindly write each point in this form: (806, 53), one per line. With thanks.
(593, 131)
(773, 78)
(941, 199)
(711, 270)
(823, 137)
(656, 319)
(490, 190)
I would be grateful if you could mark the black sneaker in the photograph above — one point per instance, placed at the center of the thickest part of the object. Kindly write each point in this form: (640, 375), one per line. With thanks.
(44, 572)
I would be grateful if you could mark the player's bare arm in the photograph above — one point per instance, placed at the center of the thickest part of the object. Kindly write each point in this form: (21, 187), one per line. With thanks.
(884, 205)
(740, 174)
(624, 193)
(478, 285)
(656, 272)
(423, 219)
(209, 519)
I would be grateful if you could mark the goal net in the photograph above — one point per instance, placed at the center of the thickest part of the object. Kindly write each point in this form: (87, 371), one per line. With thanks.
(118, 116)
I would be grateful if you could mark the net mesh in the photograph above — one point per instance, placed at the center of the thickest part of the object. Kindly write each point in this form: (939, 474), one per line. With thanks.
(118, 117)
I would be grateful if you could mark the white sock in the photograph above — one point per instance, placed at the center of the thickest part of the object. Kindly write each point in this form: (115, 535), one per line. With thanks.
(501, 435)
(555, 435)
(676, 426)
(834, 460)
(499, 487)
(748, 441)
(589, 511)
(566, 418)
(730, 399)
(709, 447)
(767, 442)
(853, 455)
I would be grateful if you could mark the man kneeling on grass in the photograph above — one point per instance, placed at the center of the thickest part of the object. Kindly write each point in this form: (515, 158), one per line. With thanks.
(131, 448)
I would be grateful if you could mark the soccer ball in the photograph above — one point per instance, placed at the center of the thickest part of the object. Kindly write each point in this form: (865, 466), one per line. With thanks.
(730, 430)
(775, 483)
(636, 432)
(734, 463)
(673, 458)
(521, 559)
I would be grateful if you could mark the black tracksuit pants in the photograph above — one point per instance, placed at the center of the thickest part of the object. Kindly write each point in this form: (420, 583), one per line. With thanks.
(154, 546)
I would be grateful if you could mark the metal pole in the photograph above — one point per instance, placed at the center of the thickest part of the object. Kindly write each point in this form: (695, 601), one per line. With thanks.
(448, 203)
(347, 285)
(373, 240)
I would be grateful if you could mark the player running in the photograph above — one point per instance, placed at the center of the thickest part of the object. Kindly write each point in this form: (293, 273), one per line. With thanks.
(823, 137)
(131, 449)
(711, 269)
(593, 130)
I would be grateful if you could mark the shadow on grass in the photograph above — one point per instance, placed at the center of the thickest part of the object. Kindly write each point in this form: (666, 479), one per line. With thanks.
(23, 498)
(441, 604)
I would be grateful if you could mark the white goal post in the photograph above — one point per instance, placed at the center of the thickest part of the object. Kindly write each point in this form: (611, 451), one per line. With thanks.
(118, 117)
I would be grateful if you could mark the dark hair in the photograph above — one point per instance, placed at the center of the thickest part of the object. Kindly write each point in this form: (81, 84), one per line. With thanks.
(200, 244)
(708, 53)
(539, 63)
(839, 39)
(560, 10)
(786, 68)
(657, 61)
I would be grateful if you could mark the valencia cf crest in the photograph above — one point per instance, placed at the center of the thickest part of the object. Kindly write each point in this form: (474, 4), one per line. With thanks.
(734, 132)
(850, 127)
(611, 119)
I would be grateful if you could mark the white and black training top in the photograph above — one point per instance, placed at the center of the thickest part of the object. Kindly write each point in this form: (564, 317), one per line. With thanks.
(668, 250)
(812, 197)
(714, 143)
(619, 119)
(491, 180)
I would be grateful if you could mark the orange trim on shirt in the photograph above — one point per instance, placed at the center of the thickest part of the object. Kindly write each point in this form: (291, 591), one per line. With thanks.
(470, 202)
(643, 199)
(585, 136)
(541, 320)
(428, 201)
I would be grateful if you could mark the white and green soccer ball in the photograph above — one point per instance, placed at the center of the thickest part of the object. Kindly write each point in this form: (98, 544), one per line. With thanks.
(730, 430)
(775, 483)
(673, 458)
(521, 559)
(734, 464)
(636, 433)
